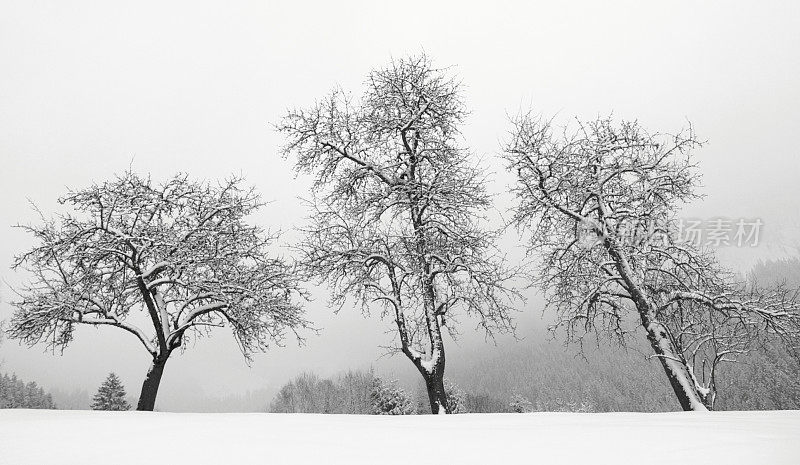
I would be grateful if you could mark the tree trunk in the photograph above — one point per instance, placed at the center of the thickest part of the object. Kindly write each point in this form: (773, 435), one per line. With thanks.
(436, 394)
(433, 374)
(147, 399)
(680, 379)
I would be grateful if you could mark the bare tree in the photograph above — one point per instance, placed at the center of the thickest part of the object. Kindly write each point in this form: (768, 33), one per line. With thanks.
(180, 252)
(398, 208)
(600, 201)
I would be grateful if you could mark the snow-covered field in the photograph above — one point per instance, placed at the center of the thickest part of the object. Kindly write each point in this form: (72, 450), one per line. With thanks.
(81, 437)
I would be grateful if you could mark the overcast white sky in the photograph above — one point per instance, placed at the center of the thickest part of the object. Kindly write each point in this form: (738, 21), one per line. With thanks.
(90, 88)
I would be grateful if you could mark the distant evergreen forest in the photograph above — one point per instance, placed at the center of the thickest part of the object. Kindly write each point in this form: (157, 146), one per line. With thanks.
(16, 393)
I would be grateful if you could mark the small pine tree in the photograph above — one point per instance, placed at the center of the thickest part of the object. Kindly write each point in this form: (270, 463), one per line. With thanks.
(389, 399)
(456, 398)
(564, 405)
(520, 404)
(110, 395)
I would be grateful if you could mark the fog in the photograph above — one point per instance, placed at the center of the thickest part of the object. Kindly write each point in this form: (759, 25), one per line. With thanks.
(89, 89)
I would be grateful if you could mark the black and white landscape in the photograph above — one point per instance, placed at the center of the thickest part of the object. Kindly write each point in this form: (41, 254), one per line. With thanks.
(570, 231)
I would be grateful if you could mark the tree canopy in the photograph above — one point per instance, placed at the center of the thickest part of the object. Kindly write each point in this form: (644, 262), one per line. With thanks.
(399, 208)
(181, 252)
(600, 200)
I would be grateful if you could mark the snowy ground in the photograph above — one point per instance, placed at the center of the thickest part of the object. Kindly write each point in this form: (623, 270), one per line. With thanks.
(80, 437)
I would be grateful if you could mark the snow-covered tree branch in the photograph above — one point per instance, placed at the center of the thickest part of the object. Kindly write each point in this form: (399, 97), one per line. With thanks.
(600, 199)
(181, 252)
(399, 208)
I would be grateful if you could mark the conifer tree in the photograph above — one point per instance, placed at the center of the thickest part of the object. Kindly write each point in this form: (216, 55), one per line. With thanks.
(456, 397)
(15, 393)
(111, 395)
(520, 404)
(389, 399)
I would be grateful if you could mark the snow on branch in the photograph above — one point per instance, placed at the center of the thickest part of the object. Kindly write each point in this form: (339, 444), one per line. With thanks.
(181, 251)
(399, 206)
(599, 200)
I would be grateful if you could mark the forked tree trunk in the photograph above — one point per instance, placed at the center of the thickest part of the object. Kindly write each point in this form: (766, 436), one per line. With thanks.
(147, 399)
(436, 393)
(433, 374)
